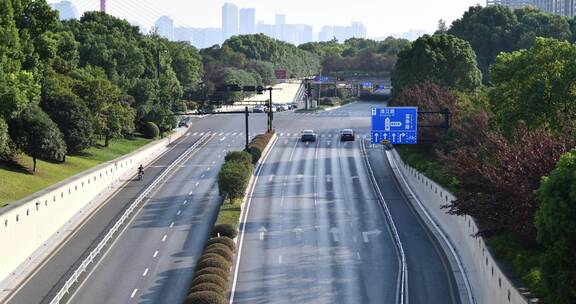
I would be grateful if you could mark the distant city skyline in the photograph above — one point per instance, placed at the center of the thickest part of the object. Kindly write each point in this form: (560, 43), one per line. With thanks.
(381, 18)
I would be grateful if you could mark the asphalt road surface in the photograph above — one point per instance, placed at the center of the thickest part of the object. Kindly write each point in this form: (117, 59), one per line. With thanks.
(169, 271)
(315, 233)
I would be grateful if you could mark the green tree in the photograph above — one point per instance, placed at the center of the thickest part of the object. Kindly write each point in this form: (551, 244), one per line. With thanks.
(110, 106)
(68, 111)
(441, 59)
(187, 64)
(556, 226)
(38, 136)
(534, 23)
(535, 85)
(5, 149)
(489, 30)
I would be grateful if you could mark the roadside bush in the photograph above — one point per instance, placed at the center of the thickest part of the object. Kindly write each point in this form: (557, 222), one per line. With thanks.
(213, 270)
(331, 101)
(207, 287)
(233, 179)
(221, 250)
(150, 130)
(238, 156)
(210, 278)
(255, 153)
(205, 297)
(211, 255)
(226, 230)
(214, 262)
(257, 146)
(222, 240)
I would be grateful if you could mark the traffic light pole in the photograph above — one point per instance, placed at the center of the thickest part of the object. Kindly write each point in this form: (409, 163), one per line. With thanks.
(247, 134)
(270, 114)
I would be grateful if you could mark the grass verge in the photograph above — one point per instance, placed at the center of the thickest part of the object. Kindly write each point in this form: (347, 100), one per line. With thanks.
(18, 182)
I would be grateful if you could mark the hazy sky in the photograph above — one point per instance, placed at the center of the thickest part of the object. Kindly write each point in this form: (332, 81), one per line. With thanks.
(381, 17)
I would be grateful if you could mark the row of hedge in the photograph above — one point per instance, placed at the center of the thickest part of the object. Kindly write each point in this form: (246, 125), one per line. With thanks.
(258, 144)
(212, 276)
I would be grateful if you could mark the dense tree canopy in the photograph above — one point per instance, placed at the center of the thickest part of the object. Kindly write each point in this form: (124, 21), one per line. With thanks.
(535, 85)
(441, 59)
(494, 29)
(556, 224)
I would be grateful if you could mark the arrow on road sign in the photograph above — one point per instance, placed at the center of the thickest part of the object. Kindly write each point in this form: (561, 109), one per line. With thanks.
(366, 234)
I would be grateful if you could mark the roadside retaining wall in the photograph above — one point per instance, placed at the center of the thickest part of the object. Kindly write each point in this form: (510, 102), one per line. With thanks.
(35, 225)
(488, 283)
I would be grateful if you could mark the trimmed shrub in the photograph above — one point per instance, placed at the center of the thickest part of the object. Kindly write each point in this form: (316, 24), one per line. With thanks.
(222, 240)
(210, 278)
(205, 297)
(150, 130)
(233, 179)
(219, 262)
(213, 270)
(226, 230)
(330, 101)
(221, 250)
(238, 156)
(255, 152)
(207, 287)
(211, 255)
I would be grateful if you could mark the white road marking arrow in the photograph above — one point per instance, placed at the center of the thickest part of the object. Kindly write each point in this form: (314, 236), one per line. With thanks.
(298, 232)
(262, 231)
(366, 234)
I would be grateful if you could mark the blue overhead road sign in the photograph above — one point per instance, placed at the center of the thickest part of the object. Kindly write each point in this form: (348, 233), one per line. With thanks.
(396, 125)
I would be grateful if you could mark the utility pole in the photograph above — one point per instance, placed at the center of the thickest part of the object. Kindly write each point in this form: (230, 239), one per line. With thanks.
(247, 130)
(270, 114)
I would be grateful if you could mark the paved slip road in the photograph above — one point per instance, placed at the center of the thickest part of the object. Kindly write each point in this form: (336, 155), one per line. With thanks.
(315, 232)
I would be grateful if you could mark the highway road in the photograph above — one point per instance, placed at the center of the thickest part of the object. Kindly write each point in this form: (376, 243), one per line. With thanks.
(316, 231)
(169, 270)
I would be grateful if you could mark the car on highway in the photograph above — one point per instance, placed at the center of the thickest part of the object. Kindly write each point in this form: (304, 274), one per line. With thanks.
(259, 109)
(308, 135)
(347, 135)
(185, 122)
(293, 106)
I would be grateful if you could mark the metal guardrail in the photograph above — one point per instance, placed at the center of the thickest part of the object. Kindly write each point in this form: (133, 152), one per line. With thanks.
(402, 296)
(125, 216)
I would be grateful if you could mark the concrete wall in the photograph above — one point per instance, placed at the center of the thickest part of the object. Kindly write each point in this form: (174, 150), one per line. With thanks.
(488, 283)
(42, 219)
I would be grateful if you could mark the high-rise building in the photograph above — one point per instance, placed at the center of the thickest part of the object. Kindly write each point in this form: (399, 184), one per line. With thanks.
(342, 33)
(513, 4)
(559, 7)
(247, 21)
(280, 21)
(165, 27)
(184, 34)
(229, 20)
(266, 29)
(65, 9)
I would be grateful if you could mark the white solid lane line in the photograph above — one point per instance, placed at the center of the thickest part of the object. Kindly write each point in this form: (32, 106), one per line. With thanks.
(134, 293)
(145, 272)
